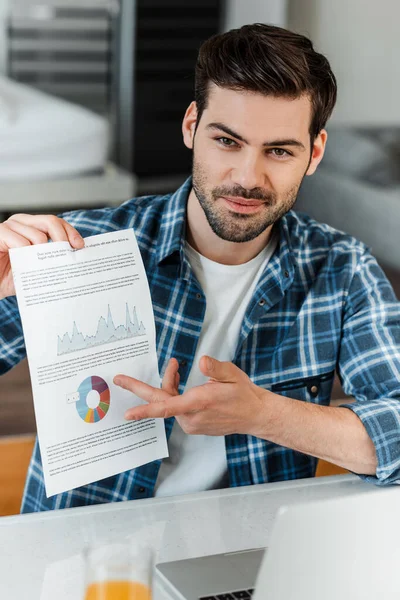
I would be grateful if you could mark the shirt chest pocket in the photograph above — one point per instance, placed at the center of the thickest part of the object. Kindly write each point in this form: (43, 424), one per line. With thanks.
(316, 389)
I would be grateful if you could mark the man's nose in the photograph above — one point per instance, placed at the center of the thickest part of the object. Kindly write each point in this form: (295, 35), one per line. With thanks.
(249, 173)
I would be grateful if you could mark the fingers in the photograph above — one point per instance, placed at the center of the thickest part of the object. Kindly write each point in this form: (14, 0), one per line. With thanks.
(172, 407)
(11, 239)
(34, 236)
(170, 381)
(219, 371)
(55, 228)
(154, 396)
(177, 380)
(74, 237)
(142, 390)
(194, 400)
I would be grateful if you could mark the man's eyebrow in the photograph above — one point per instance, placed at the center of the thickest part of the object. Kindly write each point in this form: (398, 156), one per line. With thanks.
(283, 142)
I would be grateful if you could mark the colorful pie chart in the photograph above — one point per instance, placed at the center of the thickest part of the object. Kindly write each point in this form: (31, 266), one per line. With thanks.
(97, 384)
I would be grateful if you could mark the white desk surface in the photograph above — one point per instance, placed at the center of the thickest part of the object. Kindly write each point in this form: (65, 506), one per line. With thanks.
(35, 548)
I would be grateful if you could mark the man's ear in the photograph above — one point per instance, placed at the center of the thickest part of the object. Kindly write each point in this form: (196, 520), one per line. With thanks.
(318, 151)
(189, 125)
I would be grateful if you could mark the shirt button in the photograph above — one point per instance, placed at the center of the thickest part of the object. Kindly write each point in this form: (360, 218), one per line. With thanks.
(142, 490)
(314, 390)
(183, 362)
(198, 296)
(286, 274)
(261, 302)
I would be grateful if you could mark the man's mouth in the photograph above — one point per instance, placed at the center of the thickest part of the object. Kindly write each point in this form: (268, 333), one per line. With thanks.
(241, 205)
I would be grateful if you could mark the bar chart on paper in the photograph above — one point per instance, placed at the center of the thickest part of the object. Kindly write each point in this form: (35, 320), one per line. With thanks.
(106, 332)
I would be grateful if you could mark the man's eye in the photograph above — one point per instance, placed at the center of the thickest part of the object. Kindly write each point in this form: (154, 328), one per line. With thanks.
(226, 141)
(280, 152)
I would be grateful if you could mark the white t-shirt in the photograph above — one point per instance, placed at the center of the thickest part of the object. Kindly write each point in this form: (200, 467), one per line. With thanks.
(198, 462)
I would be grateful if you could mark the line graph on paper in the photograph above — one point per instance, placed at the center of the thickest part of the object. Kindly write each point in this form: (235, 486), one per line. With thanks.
(106, 333)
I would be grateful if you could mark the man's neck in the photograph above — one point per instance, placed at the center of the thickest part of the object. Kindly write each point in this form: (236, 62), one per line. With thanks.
(202, 238)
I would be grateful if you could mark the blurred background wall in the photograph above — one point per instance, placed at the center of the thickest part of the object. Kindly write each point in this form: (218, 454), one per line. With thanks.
(360, 38)
(357, 188)
(239, 12)
(92, 94)
(3, 40)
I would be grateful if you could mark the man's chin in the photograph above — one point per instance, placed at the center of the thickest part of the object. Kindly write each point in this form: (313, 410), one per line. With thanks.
(237, 235)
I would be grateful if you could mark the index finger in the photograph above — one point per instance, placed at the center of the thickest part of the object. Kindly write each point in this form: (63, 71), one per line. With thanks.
(174, 406)
(139, 388)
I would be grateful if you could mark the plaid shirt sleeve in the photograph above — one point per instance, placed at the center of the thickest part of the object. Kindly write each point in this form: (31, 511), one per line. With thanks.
(369, 363)
(12, 345)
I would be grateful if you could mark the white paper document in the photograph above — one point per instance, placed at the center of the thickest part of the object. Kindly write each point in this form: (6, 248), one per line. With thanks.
(87, 316)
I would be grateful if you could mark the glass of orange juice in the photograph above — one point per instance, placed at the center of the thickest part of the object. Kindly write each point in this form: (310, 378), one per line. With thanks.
(118, 571)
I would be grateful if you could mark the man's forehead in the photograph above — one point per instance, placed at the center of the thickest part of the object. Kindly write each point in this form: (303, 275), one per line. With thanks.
(259, 113)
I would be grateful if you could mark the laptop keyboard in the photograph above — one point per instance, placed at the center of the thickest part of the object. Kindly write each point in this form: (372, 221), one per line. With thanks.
(240, 594)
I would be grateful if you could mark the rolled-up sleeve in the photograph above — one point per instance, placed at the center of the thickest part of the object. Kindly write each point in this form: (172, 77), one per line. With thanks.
(369, 363)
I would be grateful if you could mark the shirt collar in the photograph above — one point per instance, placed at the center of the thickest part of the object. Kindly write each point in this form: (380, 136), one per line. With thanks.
(286, 251)
(173, 224)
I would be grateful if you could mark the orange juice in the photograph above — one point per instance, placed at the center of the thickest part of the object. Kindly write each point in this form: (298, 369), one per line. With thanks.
(118, 590)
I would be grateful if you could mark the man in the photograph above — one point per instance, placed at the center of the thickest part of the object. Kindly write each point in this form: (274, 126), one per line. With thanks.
(255, 306)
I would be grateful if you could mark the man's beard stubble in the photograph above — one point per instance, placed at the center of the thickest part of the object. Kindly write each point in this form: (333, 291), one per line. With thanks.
(238, 227)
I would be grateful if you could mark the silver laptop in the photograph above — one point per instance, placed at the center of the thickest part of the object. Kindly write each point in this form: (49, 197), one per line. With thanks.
(346, 548)
(209, 577)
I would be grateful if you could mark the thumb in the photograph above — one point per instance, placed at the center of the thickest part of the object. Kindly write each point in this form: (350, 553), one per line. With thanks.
(218, 370)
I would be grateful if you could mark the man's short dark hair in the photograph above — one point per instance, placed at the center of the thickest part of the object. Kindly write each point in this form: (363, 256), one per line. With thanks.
(268, 60)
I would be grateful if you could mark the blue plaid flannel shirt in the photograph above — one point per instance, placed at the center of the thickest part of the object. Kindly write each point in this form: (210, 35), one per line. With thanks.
(322, 305)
